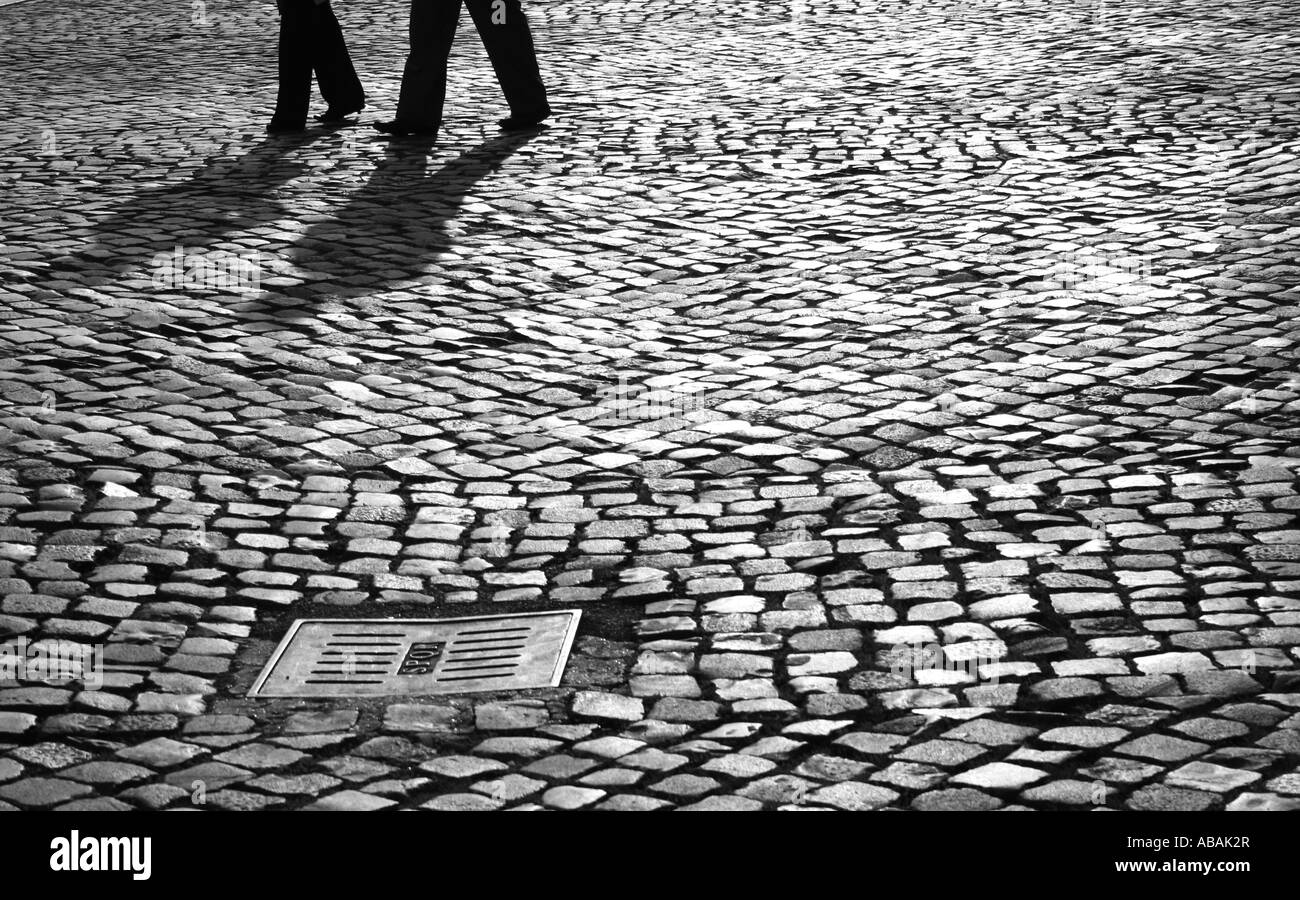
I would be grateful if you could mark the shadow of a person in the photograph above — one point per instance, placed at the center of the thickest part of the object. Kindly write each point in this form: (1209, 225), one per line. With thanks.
(395, 226)
(213, 205)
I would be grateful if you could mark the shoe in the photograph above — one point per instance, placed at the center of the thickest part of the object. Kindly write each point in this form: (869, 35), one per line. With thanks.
(398, 128)
(334, 115)
(523, 123)
(279, 126)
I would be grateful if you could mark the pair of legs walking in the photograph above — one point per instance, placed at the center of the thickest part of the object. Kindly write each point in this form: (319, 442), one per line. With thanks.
(311, 41)
(502, 26)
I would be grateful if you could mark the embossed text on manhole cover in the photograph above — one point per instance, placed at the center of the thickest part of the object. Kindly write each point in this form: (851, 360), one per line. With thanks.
(378, 657)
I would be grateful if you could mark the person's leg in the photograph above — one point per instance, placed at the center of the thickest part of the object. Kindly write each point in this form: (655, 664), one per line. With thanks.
(424, 80)
(335, 74)
(504, 29)
(295, 63)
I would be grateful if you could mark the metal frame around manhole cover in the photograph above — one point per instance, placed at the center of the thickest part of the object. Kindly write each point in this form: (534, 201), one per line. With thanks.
(394, 657)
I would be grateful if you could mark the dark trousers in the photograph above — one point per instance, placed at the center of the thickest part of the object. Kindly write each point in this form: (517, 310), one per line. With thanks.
(311, 41)
(509, 45)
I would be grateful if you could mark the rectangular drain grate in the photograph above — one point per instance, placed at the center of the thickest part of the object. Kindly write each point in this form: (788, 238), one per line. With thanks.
(382, 657)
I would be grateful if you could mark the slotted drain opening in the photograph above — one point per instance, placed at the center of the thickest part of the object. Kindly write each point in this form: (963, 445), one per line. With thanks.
(384, 657)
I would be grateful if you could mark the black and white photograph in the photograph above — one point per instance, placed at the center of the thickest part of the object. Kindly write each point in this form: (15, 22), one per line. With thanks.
(750, 406)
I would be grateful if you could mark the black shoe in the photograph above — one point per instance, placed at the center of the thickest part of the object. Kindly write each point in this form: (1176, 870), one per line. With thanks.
(334, 115)
(523, 123)
(398, 128)
(280, 126)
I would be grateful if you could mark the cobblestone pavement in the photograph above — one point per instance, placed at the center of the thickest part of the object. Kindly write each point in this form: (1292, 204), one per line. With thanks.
(906, 393)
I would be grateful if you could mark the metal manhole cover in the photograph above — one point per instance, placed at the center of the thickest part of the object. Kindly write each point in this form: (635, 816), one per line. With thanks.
(379, 657)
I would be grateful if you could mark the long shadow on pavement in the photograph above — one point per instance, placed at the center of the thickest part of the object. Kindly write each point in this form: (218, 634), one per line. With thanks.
(392, 228)
(214, 204)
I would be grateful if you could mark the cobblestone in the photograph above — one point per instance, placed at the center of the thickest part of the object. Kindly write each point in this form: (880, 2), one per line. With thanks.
(924, 440)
